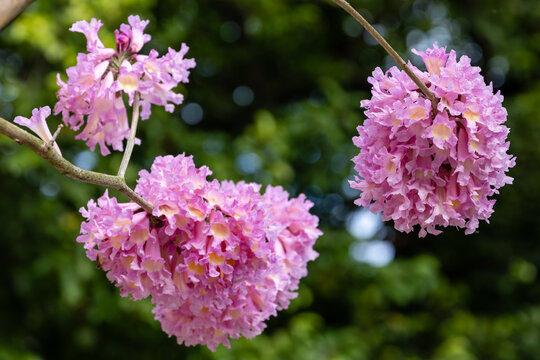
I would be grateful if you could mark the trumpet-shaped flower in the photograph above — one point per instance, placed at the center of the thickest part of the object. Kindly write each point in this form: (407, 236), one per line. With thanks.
(221, 259)
(38, 124)
(432, 168)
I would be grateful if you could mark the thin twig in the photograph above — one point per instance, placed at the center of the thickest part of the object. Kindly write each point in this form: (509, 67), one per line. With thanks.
(60, 126)
(9, 9)
(131, 140)
(401, 63)
(66, 168)
(51, 143)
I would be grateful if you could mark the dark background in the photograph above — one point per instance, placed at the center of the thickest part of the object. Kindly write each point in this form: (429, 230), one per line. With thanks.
(275, 99)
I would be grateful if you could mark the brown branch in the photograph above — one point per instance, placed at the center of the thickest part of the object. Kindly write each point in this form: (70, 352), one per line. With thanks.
(401, 63)
(66, 168)
(9, 9)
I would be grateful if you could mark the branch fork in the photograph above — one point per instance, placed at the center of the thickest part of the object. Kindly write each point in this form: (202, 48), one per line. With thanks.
(65, 167)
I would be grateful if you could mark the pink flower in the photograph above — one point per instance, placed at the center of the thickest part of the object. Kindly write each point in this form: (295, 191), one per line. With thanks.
(94, 44)
(442, 132)
(220, 261)
(160, 75)
(432, 169)
(38, 124)
(92, 95)
(135, 33)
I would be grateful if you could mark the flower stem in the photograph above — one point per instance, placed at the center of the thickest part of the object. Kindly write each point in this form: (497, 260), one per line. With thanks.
(131, 140)
(401, 63)
(55, 135)
(66, 168)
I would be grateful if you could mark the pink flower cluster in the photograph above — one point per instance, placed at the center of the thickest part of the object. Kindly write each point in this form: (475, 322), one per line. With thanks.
(221, 259)
(431, 169)
(92, 95)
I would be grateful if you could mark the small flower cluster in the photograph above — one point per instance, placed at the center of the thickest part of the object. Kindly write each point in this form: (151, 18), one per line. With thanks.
(221, 259)
(432, 169)
(92, 95)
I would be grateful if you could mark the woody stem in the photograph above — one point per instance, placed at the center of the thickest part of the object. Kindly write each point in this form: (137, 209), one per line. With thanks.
(65, 167)
(401, 63)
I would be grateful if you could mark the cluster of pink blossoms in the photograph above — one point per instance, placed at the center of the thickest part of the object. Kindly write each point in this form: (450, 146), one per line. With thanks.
(92, 95)
(221, 259)
(430, 169)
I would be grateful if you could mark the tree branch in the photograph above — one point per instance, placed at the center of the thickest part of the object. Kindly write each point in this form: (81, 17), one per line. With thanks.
(9, 9)
(66, 168)
(131, 140)
(401, 63)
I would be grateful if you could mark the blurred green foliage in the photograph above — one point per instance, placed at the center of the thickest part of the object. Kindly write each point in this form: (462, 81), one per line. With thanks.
(305, 63)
